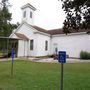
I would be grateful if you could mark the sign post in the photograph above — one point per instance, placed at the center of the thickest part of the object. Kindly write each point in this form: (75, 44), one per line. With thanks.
(12, 55)
(62, 60)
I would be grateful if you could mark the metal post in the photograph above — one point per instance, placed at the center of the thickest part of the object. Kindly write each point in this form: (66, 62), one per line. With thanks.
(12, 68)
(24, 48)
(7, 46)
(61, 88)
(12, 54)
(27, 49)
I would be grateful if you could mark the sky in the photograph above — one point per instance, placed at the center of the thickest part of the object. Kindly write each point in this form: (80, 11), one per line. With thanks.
(49, 13)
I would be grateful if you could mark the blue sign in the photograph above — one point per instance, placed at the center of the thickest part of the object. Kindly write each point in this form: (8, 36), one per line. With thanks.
(62, 56)
(12, 53)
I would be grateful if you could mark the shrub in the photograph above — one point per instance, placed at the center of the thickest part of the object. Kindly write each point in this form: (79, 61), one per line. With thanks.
(84, 55)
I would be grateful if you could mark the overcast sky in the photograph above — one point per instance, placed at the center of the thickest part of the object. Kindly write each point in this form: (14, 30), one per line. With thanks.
(49, 13)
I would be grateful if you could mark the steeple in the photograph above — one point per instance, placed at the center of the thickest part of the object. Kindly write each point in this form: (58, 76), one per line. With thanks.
(28, 13)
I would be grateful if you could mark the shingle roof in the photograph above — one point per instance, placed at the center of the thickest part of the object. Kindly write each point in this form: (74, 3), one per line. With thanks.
(51, 32)
(40, 29)
(21, 36)
(58, 31)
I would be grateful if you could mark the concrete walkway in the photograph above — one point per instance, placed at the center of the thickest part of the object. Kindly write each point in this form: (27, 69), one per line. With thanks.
(56, 61)
(48, 60)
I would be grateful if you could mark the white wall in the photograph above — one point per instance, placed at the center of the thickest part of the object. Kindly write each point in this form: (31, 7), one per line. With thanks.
(22, 48)
(39, 41)
(34, 51)
(41, 45)
(29, 32)
(89, 43)
(26, 30)
(72, 44)
(27, 18)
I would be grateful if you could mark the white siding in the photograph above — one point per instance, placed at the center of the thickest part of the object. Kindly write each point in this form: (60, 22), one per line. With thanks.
(41, 45)
(27, 18)
(26, 30)
(72, 44)
(34, 51)
(29, 32)
(22, 48)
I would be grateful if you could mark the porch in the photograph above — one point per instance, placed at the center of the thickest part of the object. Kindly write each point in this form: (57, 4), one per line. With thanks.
(6, 44)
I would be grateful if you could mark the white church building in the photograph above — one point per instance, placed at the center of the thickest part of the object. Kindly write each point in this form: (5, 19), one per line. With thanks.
(36, 41)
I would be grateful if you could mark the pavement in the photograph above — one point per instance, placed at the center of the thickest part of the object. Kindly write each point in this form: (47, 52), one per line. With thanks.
(48, 60)
(56, 61)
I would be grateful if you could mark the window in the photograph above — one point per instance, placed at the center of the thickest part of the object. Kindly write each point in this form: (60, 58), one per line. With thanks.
(24, 14)
(31, 44)
(30, 14)
(46, 45)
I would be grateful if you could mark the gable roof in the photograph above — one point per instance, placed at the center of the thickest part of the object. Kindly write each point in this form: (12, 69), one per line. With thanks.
(40, 29)
(58, 31)
(21, 36)
(28, 5)
(49, 32)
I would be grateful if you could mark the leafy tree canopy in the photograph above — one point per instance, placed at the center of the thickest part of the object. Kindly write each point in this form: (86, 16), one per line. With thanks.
(77, 15)
(5, 18)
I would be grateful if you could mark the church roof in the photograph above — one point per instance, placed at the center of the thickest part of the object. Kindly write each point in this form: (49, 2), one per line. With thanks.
(28, 5)
(58, 31)
(21, 36)
(40, 29)
(52, 31)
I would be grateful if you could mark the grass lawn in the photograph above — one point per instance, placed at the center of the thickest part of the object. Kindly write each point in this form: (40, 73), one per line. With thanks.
(44, 76)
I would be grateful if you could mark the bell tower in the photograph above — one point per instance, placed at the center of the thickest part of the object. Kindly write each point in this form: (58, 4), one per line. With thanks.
(28, 13)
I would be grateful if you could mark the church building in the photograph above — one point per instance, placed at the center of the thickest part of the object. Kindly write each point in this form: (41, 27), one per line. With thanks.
(36, 41)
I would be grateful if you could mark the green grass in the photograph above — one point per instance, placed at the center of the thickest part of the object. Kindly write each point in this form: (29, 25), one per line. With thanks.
(44, 76)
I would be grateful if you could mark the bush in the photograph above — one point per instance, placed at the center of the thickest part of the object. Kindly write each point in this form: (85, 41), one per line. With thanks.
(84, 55)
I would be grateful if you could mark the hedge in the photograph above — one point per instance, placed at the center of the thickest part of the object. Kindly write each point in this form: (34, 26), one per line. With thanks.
(84, 55)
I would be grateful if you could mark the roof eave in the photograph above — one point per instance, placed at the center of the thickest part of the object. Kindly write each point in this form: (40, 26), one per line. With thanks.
(42, 33)
(28, 5)
(69, 34)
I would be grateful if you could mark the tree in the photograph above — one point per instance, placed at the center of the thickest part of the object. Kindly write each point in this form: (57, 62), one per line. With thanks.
(77, 15)
(5, 17)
